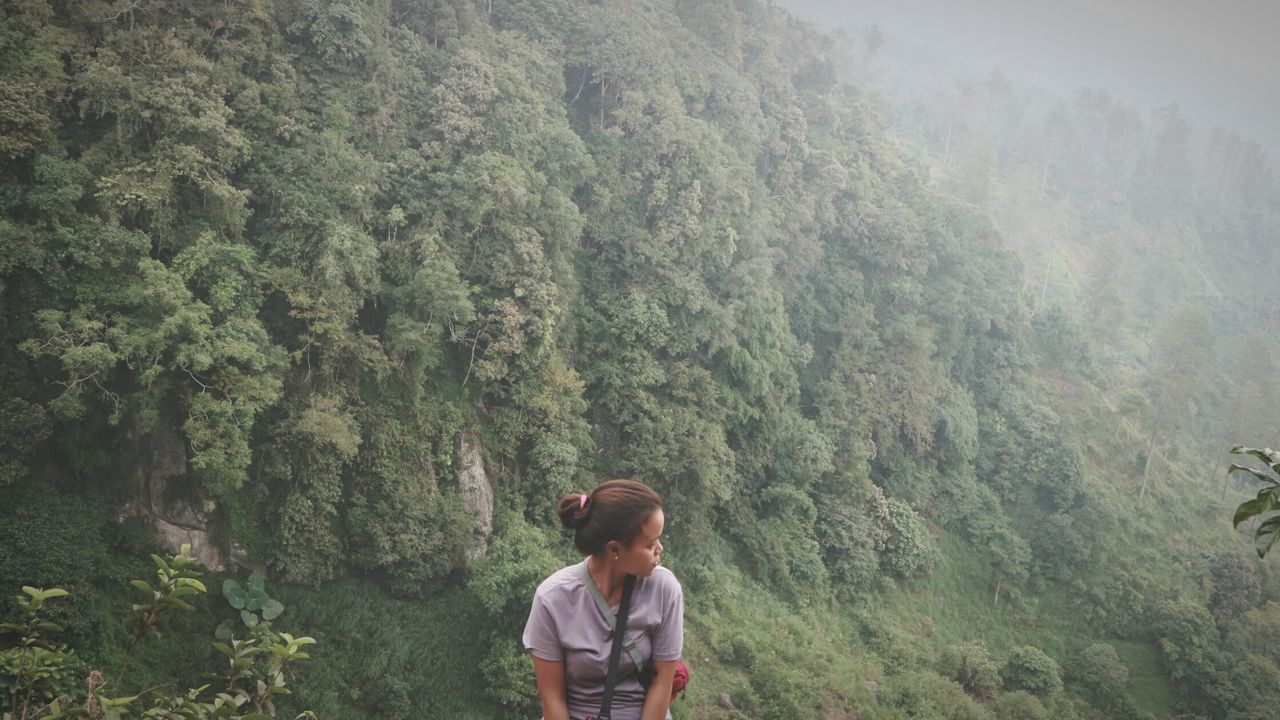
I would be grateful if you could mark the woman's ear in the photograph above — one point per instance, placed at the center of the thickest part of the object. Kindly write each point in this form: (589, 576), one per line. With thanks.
(611, 549)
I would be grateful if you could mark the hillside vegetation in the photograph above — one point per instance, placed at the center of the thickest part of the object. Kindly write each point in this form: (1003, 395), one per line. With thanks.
(939, 406)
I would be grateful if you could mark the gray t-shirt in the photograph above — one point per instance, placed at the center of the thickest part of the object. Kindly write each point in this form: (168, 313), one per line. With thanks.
(565, 625)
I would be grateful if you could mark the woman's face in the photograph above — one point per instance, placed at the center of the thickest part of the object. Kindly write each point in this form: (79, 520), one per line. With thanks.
(642, 556)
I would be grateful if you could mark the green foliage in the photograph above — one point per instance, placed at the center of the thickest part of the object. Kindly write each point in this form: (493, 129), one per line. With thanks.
(957, 428)
(784, 552)
(176, 579)
(1028, 668)
(520, 556)
(1099, 670)
(23, 427)
(254, 605)
(973, 667)
(909, 550)
(849, 535)
(1022, 705)
(502, 582)
(35, 670)
(56, 539)
(383, 656)
(1267, 501)
(1257, 631)
(1248, 689)
(1116, 601)
(1189, 639)
(1236, 587)
(782, 690)
(923, 694)
(44, 679)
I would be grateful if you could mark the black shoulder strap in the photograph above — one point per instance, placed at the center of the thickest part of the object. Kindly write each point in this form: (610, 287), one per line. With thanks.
(606, 614)
(615, 654)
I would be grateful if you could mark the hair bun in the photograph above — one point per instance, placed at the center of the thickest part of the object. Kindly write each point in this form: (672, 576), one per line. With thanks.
(574, 509)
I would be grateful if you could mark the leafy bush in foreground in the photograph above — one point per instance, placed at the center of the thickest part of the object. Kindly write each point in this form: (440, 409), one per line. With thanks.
(42, 677)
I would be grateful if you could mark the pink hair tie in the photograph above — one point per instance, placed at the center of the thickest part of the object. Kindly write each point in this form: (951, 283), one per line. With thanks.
(582, 501)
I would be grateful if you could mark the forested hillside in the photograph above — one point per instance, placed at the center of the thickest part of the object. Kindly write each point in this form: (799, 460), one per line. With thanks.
(349, 292)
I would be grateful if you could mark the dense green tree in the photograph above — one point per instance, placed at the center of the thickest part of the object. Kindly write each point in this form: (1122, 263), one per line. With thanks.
(973, 667)
(1028, 668)
(1099, 669)
(1235, 586)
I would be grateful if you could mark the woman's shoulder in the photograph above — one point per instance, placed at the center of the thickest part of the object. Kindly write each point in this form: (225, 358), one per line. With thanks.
(567, 578)
(663, 579)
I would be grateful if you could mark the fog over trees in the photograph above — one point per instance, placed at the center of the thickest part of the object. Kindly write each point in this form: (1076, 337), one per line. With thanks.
(1216, 60)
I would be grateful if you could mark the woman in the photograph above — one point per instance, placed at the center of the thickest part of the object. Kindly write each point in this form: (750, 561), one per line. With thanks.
(618, 527)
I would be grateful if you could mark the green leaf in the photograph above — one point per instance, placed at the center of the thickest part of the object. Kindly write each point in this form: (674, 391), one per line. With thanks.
(1268, 456)
(234, 594)
(160, 563)
(226, 630)
(143, 585)
(178, 603)
(53, 593)
(272, 609)
(1259, 475)
(225, 649)
(116, 702)
(256, 582)
(257, 598)
(249, 618)
(1268, 533)
(49, 627)
(1262, 504)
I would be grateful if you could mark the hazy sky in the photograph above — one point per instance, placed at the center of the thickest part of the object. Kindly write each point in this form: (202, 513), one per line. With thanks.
(1219, 60)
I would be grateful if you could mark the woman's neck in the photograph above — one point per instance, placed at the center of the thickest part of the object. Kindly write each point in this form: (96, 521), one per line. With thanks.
(608, 578)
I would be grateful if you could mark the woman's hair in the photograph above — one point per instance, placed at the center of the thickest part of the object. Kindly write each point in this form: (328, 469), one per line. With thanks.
(617, 510)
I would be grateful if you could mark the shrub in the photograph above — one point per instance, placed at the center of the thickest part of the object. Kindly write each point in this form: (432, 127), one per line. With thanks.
(1098, 668)
(1022, 705)
(40, 676)
(910, 550)
(924, 694)
(972, 666)
(784, 691)
(1029, 668)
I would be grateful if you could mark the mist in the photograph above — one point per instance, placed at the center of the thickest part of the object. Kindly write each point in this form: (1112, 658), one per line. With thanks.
(1216, 61)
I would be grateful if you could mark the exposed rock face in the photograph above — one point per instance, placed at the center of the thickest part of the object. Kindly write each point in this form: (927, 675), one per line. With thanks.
(476, 491)
(164, 494)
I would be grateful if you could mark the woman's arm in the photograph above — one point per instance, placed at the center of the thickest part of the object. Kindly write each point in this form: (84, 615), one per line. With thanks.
(658, 699)
(551, 688)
